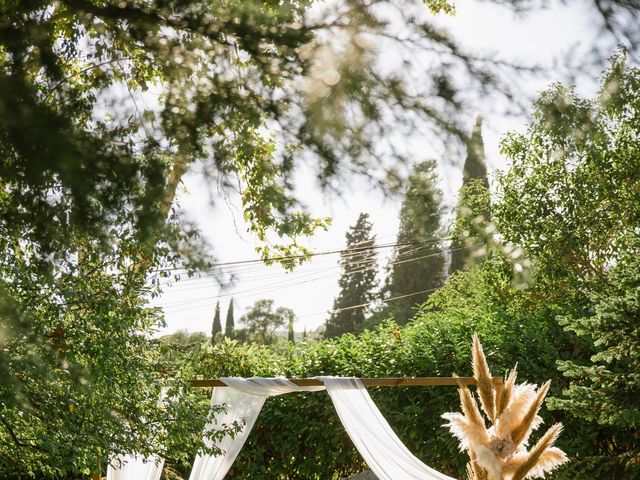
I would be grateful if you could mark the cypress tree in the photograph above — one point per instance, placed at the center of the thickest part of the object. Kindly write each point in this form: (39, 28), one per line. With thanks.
(473, 204)
(357, 282)
(229, 322)
(216, 327)
(291, 333)
(418, 261)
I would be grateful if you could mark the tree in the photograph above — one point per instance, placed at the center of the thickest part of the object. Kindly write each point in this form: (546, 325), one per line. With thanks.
(473, 210)
(88, 182)
(291, 334)
(606, 388)
(569, 197)
(263, 321)
(570, 202)
(84, 364)
(184, 337)
(357, 281)
(229, 322)
(417, 268)
(216, 327)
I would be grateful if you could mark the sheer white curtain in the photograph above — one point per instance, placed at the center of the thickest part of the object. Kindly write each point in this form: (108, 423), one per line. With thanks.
(134, 467)
(372, 435)
(243, 399)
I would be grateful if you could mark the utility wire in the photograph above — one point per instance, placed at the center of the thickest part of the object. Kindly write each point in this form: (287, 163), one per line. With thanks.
(186, 285)
(295, 281)
(348, 251)
(363, 305)
(282, 285)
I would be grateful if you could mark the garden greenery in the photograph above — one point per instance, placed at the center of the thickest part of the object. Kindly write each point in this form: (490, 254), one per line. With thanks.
(567, 181)
(250, 90)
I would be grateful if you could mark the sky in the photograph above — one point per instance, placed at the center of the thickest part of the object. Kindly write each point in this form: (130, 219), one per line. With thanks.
(538, 38)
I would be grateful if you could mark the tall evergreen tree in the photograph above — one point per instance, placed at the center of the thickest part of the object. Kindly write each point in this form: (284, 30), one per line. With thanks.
(605, 387)
(216, 327)
(473, 209)
(291, 335)
(229, 322)
(358, 279)
(417, 267)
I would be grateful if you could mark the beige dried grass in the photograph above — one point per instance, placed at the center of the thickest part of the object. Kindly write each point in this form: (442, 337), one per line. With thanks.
(475, 471)
(521, 432)
(483, 378)
(499, 453)
(522, 397)
(506, 392)
(469, 405)
(534, 463)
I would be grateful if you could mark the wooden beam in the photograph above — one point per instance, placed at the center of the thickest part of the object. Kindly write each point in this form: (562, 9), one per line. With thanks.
(371, 382)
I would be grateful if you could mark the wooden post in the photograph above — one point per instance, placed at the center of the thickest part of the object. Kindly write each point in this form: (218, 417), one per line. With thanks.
(369, 382)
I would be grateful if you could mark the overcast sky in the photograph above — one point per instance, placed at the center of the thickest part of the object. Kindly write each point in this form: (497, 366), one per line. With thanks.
(540, 37)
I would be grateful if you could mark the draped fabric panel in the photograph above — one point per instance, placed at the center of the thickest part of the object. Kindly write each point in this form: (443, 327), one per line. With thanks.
(372, 435)
(130, 467)
(244, 399)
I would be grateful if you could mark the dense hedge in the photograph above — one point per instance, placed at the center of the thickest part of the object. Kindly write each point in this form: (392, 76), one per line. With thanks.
(298, 436)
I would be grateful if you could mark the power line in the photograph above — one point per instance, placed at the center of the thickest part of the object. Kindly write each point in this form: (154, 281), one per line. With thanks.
(362, 305)
(352, 264)
(284, 285)
(260, 269)
(348, 251)
(295, 281)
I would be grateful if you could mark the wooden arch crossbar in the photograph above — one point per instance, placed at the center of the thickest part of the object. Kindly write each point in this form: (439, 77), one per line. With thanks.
(371, 382)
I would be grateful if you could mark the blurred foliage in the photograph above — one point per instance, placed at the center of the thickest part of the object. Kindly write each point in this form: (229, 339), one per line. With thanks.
(112, 103)
(616, 19)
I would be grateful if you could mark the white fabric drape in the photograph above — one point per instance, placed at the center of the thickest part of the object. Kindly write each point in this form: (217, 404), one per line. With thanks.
(130, 467)
(372, 435)
(244, 400)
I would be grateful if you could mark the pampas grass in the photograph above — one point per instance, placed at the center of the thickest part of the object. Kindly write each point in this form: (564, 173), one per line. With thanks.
(522, 430)
(469, 406)
(500, 451)
(503, 395)
(482, 374)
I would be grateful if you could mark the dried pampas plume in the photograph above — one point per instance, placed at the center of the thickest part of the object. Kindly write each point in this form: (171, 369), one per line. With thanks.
(500, 451)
